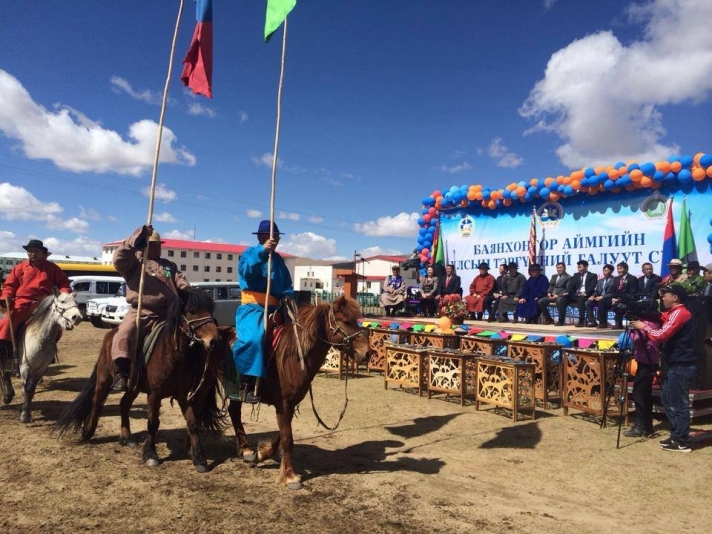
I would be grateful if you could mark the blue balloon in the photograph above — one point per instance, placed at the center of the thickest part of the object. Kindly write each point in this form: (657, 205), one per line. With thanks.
(528, 196)
(429, 201)
(544, 192)
(658, 176)
(608, 184)
(431, 229)
(421, 221)
(648, 168)
(564, 341)
(421, 240)
(669, 177)
(422, 231)
(633, 166)
(498, 202)
(507, 193)
(522, 183)
(673, 158)
(685, 176)
(624, 341)
(568, 190)
(686, 162)
(486, 194)
(589, 172)
(619, 165)
(706, 160)
(531, 190)
(709, 237)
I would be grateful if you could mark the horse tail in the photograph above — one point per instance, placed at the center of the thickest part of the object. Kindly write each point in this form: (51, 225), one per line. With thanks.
(211, 417)
(76, 416)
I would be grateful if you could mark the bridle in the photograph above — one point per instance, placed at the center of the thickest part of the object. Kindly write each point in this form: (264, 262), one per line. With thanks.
(61, 310)
(347, 340)
(194, 325)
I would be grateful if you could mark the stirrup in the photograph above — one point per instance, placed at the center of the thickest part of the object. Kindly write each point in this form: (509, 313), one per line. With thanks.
(249, 397)
(120, 384)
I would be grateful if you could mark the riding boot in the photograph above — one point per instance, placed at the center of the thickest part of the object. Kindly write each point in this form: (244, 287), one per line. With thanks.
(247, 388)
(122, 368)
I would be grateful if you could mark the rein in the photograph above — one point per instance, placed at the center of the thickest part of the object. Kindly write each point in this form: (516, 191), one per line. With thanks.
(193, 325)
(345, 345)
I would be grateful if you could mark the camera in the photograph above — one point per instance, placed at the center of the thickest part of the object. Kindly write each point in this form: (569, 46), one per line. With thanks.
(634, 306)
(411, 263)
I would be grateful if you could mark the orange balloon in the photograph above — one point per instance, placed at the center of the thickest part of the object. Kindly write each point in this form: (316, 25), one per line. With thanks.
(646, 181)
(593, 190)
(622, 170)
(492, 204)
(636, 175)
(630, 187)
(478, 187)
(483, 203)
(709, 171)
(613, 175)
(578, 175)
(599, 170)
(549, 181)
(576, 185)
(698, 174)
(463, 203)
(507, 202)
(697, 157)
(663, 166)
(567, 180)
(511, 187)
(534, 182)
(471, 195)
(478, 195)
(554, 196)
(675, 166)
(521, 191)
(656, 185)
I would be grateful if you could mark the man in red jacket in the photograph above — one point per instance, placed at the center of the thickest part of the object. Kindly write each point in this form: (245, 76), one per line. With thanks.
(26, 286)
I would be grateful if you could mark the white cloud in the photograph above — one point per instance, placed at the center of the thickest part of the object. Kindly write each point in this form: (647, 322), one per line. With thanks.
(244, 117)
(315, 219)
(161, 193)
(504, 157)
(88, 213)
(197, 108)
(604, 98)
(177, 234)
(18, 204)
(164, 217)
(73, 142)
(401, 225)
(265, 160)
(79, 246)
(253, 214)
(453, 169)
(548, 4)
(9, 242)
(122, 85)
(308, 245)
(290, 216)
(379, 251)
(337, 258)
(78, 226)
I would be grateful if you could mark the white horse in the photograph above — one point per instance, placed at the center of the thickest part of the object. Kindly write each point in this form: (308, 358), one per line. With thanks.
(37, 345)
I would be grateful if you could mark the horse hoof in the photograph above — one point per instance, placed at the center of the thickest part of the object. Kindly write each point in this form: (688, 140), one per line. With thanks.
(201, 468)
(7, 398)
(25, 417)
(250, 457)
(296, 485)
(152, 462)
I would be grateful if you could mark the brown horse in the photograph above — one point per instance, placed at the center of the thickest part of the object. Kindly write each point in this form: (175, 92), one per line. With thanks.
(183, 366)
(320, 327)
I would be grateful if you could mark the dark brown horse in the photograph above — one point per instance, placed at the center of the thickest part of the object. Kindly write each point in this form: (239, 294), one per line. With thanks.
(319, 327)
(183, 366)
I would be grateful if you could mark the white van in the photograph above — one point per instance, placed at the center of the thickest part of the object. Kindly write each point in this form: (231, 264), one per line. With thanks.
(227, 297)
(95, 307)
(85, 288)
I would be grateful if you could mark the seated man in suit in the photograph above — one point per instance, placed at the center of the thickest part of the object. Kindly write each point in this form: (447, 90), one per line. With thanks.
(533, 291)
(624, 285)
(583, 285)
(450, 284)
(492, 300)
(648, 283)
(557, 293)
(604, 288)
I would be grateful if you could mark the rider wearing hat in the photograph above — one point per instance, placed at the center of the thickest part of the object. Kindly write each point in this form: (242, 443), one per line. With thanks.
(27, 285)
(249, 318)
(162, 285)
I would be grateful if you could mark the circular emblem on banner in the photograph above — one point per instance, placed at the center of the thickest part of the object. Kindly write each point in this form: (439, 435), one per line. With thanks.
(654, 207)
(550, 214)
(466, 226)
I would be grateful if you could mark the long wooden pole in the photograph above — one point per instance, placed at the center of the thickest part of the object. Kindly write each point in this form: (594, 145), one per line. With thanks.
(274, 182)
(154, 173)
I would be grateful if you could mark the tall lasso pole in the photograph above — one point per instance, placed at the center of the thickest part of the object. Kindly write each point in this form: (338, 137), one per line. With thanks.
(154, 173)
(274, 183)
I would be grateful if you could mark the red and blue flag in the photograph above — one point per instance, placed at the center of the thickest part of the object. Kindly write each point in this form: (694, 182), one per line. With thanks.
(198, 63)
(669, 248)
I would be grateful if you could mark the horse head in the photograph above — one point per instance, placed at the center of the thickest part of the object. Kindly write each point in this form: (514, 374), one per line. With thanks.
(345, 331)
(66, 310)
(198, 321)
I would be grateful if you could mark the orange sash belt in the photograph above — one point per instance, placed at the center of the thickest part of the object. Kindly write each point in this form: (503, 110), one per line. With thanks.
(254, 297)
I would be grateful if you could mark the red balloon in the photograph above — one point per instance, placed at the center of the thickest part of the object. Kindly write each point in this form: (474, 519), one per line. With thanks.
(426, 218)
(432, 211)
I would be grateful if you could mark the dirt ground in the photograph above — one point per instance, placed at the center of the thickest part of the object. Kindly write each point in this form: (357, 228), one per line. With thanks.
(397, 463)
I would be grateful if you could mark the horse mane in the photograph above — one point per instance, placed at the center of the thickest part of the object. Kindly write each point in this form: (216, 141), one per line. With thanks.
(313, 323)
(192, 301)
(43, 310)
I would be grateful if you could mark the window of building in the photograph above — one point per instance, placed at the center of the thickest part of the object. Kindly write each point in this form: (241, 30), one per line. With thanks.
(207, 255)
(183, 254)
(196, 254)
(182, 267)
(218, 269)
(206, 268)
(218, 256)
(229, 257)
(171, 253)
(195, 268)
(229, 270)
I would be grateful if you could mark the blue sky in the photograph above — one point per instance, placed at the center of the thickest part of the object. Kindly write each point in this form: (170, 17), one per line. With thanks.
(383, 103)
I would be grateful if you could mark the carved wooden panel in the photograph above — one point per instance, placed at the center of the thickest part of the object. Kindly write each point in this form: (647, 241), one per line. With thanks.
(435, 340)
(451, 372)
(377, 338)
(548, 378)
(506, 383)
(406, 365)
(483, 345)
(589, 376)
(337, 363)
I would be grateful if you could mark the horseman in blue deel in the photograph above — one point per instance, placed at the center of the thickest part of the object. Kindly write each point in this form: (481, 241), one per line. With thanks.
(249, 319)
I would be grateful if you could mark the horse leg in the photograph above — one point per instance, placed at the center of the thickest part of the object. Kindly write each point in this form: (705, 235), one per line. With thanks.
(153, 406)
(244, 450)
(196, 449)
(8, 392)
(29, 389)
(125, 404)
(287, 476)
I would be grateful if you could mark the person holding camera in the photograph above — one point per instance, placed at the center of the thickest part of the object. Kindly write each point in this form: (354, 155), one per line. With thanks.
(678, 363)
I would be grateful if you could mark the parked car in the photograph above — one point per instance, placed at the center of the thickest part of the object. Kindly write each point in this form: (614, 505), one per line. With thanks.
(85, 288)
(115, 310)
(227, 297)
(95, 307)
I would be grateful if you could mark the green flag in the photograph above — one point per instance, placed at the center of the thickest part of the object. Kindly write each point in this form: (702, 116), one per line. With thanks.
(277, 11)
(440, 251)
(686, 241)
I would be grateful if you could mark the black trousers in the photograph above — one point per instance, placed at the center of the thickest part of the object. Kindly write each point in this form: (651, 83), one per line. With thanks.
(581, 305)
(643, 395)
(490, 304)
